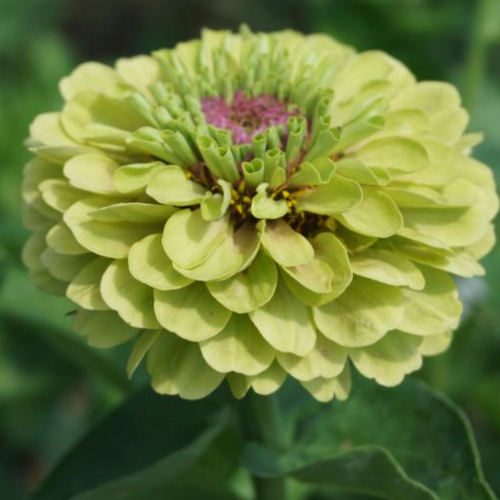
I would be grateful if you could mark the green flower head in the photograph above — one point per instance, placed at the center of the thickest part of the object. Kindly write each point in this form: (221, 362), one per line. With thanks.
(246, 206)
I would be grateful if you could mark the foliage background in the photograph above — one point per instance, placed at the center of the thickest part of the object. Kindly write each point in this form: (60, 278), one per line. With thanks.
(52, 387)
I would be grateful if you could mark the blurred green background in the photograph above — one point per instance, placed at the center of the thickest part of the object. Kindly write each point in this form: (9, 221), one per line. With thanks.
(52, 387)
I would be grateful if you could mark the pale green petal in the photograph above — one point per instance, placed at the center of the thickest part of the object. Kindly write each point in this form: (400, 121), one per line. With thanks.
(64, 267)
(59, 194)
(191, 312)
(170, 186)
(286, 246)
(61, 240)
(387, 267)
(189, 240)
(312, 173)
(325, 389)
(445, 165)
(135, 177)
(449, 126)
(102, 329)
(483, 246)
(435, 344)
(238, 384)
(238, 348)
(85, 288)
(134, 212)
(435, 309)
(91, 76)
(177, 367)
(397, 155)
(47, 130)
(359, 172)
(132, 300)
(143, 344)
(215, 205)
(33, 250)
(249, 289)
(108, 239)
(362, 315)
(149, 264)
(390, 359)
(92, 172)
(286, 323)
(269, 381)
(47, 283)
(405, 121)
(377, 215)
(354, 242)
(339, 195)
(34, 220)
(139, 71)
(316, 275)
(326, 360)
(232, 256)
(265, 207)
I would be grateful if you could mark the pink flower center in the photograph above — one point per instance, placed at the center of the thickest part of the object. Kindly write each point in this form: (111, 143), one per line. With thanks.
(246, 116)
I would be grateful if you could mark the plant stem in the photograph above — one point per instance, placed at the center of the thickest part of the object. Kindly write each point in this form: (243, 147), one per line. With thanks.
(260, 419)
(477, 55)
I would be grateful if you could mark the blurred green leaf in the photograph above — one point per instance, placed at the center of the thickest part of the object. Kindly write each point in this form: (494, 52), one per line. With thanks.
(142, 443)
(407, 442)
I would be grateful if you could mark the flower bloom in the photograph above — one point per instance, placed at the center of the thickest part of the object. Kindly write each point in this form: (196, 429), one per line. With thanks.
(246, 206)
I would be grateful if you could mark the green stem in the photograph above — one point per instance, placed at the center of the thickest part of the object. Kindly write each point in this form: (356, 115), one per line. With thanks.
(260, 419)
(477, 55)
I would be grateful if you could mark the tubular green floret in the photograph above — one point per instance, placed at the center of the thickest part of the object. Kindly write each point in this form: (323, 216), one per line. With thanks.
(247, 207)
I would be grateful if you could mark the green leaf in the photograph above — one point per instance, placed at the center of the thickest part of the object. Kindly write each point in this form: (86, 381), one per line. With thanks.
(150, 457)
(408, 442)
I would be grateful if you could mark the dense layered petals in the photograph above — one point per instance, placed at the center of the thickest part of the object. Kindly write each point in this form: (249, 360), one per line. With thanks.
(247, 207)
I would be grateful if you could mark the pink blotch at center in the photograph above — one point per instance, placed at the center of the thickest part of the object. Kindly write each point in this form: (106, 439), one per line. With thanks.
(246, 116)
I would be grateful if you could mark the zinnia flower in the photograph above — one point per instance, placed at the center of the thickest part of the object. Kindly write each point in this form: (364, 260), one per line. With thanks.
(251, 206)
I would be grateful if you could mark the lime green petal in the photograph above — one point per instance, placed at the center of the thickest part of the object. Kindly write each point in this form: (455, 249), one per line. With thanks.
(85, 288)
(135, 177)
(397, 155)
(61, 240)
(64, 267)
(238, 384)
(170, 186)
(387, 267)
(135, 212)
(377, 215)
(34, 220)
(285, 323)
(102, 329)
(265, 207)
(232, 256)
(286, 246)
(143, 344)
(33, 250)
(482, 176)
(238, 348)
(359, 172)
(139, 71)
(445, 165)
(59, 194)
(132, 300)
(92, 172)
(46, 129)
(362, 315)
(47, 283)
(91, 76)
(406, 121)
(249, 289)
(191, 312)
(435, 344)
(189, 239)
(149, 264)
(215, 205)
(325, 389)
(339, 195)
(177, 367)
(316, 276)
(483, 246)
(433, 310)
(449, 126)
(319, 171)
(107, 239)
(268, 381)
(429, 97)
(326, 360)
(390, 359)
